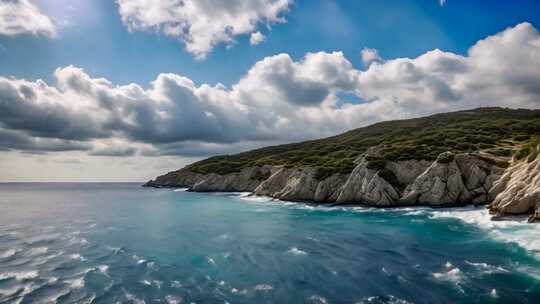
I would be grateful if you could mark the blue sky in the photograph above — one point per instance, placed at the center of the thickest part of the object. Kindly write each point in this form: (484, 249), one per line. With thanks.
(95, 38)
(135, 88)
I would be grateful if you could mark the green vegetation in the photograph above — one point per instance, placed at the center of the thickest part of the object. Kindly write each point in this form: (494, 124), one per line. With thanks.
(529, 150)
(494, 130)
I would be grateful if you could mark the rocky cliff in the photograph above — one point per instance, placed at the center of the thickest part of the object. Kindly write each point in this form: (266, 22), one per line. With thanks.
(451, 180)
(479, 156)
(518, 189)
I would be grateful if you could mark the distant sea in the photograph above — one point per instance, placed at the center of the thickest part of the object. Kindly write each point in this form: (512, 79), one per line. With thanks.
(109, 243)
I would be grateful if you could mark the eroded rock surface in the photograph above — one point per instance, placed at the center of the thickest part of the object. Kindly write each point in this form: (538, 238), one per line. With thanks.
(518, 190)
(468, 178)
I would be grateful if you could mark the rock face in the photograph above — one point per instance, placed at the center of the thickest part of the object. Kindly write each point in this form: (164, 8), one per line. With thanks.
(451, 180)
(518, 190)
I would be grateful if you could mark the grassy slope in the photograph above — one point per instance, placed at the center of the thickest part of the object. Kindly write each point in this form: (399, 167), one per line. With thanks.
(497, 130)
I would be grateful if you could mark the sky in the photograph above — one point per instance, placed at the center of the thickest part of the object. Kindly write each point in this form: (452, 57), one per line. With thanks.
(103, 90)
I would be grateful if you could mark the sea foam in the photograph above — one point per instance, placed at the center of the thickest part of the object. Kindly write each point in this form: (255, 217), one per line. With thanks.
(516, 231)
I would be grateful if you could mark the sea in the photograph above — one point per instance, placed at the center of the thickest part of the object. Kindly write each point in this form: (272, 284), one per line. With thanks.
(122, 243)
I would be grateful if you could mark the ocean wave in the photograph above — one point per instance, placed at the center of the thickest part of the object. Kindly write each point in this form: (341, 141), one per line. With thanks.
(485, 268)
(390, 299)
(19, 276)
(76, 283)
(516, 231)
(133, 298)
(256, 199)
(317, 300)
(296, 251)
(38, 251)
(77, 256)
(170, 299)
(103, 268)
(176, 284)
(181, 190)
(239, 291)
(8, 253)
(138, 259)
(77, 241)
(453, 275)
(263, 287)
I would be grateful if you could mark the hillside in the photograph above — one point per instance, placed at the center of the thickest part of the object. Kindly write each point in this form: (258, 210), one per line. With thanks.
(496, 130)
(480, 156)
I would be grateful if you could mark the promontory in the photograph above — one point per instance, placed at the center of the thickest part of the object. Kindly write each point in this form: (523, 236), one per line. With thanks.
(485, 156)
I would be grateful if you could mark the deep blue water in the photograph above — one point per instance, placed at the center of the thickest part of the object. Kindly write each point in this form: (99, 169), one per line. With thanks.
(107, 243)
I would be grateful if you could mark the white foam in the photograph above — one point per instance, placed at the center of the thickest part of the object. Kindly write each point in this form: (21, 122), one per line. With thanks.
(296, 251)
(20, 276)
(516, 231)
(134, 299)
(103, 268)
(485, 268)
(256, 199)
(173, 300)
(8, 253)
(390, 299)
(76, 283)
(454, 275)
(263, 287)
(77, 256)
(493, 293)
(176, 284)
(239, 291)
(211, 261)
(52, 280)
(38, 251)
(138, 259)
(317, 300)
(416, 212)
(181, 190)
(76, 240)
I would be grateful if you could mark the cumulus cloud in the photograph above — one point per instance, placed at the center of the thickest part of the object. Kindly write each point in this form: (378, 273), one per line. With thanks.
(256, 38)
(370, 55)
(23, 17)
(278, 100)
(202, 24)
(13, 140)
(442, 2)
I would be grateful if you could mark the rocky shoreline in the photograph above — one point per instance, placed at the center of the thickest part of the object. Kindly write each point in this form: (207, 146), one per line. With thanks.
(507, 186)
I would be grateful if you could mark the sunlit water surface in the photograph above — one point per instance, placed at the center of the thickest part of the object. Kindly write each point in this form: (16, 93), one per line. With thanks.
(107, 243)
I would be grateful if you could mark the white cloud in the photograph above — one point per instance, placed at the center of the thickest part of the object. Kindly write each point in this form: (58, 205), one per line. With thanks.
(23, 17)
(201, 24)
(442, 2)
(256, 38)
(369, 55)
(278, 100)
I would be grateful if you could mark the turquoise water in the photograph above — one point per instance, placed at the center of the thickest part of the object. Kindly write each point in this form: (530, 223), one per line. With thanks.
(107, 243)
